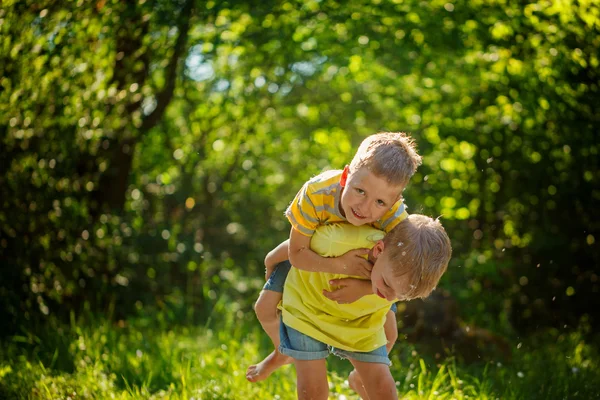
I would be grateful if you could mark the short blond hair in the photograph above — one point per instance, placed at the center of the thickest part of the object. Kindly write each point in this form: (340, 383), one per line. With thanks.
(389, 155)
(419, 247)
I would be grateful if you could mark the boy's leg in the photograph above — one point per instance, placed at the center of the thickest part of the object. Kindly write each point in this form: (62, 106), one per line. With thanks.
(391, 334)
(312, 379)
(375, 364)
(391, 329)
(268, 316)
(376, 380)
(357, 384)
(309, 357)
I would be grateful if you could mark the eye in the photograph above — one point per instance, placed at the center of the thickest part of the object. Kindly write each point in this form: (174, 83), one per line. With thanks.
(380, 203)
(387, 285)
(360, 191)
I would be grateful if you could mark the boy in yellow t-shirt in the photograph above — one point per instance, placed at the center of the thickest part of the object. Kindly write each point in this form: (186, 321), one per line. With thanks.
(367, 192)
(408, 263)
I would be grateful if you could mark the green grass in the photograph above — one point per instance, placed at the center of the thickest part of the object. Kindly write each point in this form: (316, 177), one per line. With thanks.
(142, 358)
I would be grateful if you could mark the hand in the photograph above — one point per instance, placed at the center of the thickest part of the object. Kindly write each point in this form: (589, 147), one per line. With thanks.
(348, 290)
(353, 263)
(268, 271)
(269, 265)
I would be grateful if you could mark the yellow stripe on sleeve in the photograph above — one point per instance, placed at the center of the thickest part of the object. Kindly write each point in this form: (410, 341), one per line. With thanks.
(302, 213)
(393, 217)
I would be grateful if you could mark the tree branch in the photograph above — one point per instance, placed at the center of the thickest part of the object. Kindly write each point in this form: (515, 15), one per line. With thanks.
(164, 97)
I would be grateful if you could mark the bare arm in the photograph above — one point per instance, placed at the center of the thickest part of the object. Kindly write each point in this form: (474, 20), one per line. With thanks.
(302, 257)
(348, 290)
(275, 256)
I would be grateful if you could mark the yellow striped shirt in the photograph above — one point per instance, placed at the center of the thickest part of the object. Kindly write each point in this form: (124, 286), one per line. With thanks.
(318, 203)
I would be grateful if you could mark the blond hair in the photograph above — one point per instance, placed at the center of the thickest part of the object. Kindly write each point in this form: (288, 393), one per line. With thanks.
(390, 155)
(419, 247)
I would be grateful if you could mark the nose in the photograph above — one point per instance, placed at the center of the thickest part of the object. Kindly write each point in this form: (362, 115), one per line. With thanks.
(363, 205)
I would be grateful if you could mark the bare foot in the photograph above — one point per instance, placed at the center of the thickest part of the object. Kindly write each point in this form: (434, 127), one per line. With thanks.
(266, 367)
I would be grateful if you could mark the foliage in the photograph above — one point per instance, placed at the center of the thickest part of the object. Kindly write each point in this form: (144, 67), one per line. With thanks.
(149, 148)
(143, 359)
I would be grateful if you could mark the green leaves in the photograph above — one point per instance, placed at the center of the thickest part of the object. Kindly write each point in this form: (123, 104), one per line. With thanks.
(192, 117)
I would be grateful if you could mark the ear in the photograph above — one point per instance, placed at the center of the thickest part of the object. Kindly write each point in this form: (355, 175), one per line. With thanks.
(344, 176)
(378, 249)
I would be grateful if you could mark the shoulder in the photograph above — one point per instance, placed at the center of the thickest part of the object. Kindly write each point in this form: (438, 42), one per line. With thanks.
(393, 217)
(325, 182)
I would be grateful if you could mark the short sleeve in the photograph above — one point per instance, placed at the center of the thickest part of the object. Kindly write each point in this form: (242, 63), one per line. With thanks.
(302, 212)
(393, 217)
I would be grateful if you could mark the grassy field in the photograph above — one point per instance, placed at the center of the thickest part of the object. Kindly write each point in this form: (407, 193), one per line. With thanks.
(145, 358)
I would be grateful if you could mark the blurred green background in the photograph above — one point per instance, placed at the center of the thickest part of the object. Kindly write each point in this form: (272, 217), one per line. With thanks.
(149, 148)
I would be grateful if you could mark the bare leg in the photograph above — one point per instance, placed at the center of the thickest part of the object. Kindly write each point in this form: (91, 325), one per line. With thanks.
(391, 333)
(268, 315)
(357, 385)
(391, 330)
(376, 381)
(312, 380)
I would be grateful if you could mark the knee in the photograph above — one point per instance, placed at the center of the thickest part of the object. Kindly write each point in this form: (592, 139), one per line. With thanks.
(354, 381)
(265, 311)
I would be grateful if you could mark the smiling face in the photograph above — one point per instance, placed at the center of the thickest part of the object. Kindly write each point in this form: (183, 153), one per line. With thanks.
(366, 197)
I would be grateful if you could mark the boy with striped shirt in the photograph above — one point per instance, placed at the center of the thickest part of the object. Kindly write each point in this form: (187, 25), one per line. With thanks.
(367, 192)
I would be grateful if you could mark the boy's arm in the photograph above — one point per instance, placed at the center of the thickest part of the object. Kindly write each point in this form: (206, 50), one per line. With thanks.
(302, 257)
(275, 256)
(348, 290)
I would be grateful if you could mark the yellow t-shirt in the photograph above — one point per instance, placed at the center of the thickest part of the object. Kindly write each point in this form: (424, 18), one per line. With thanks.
(317, 203)
(354, 327)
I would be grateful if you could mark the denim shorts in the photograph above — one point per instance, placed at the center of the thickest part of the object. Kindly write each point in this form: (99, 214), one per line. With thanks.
(280, 273)
(277, 278)
(302, 347)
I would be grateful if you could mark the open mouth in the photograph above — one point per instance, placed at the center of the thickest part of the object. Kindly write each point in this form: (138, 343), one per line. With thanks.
(357, 215)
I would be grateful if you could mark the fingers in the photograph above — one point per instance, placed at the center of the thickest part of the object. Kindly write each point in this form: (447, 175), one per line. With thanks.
(332, 296)
(366, 270)
(364, 273)
(337, 296)
(339, 282)
(360, 252)
(328, 294)
(268, 273)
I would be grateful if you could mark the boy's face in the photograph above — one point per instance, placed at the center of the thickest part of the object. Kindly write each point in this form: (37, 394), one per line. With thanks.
(384, 284)
(366, 197)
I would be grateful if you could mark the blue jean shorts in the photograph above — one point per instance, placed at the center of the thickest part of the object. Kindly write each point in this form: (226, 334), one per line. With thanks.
(279, 275)
(302, 347)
